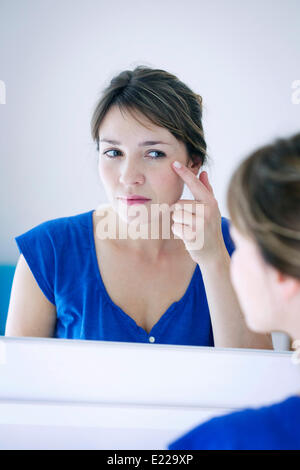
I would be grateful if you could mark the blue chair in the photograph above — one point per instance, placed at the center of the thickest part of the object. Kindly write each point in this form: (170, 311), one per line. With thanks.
(6, 278)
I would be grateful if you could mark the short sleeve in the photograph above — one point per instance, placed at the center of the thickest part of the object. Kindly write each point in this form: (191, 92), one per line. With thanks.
(261, 428)
(226, 236)
(232, 431)
(36, 245)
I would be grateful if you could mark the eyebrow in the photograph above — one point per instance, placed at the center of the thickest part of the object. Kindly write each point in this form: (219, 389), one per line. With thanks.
(141, 144)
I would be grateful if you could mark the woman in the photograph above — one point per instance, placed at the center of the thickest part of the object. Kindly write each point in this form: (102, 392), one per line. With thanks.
(72, 281)
(264, 205)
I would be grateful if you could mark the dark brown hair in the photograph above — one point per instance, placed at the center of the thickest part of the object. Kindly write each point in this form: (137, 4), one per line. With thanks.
(264, 202)
(163, 99)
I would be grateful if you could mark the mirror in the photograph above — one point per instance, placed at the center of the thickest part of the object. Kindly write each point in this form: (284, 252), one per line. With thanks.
(54, 178)
(55, 410)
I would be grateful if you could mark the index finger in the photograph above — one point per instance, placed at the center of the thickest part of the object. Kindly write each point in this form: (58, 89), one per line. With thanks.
(198, 189)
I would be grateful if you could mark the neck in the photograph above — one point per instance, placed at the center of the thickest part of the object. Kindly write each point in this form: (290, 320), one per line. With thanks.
(152, 240)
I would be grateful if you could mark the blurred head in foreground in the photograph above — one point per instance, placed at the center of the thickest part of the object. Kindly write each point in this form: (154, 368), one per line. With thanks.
(263, 200)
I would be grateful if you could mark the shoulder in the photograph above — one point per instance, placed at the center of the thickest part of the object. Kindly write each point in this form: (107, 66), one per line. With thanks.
(225, 223)
(58, 223)
(267, 427)
(54, 231)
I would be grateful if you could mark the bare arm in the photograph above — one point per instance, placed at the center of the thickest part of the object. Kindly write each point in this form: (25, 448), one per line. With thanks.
(229, 327)
(30, 313)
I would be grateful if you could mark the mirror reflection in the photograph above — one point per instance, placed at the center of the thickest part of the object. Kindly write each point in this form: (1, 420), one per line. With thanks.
(86, 129)
(168, 279)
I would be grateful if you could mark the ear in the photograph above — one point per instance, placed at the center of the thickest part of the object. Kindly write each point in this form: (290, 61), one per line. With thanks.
(288, 286)
(194, 163)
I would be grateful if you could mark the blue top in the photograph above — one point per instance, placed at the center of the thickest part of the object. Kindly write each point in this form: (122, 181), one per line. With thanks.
(62, 256)
(274, 427)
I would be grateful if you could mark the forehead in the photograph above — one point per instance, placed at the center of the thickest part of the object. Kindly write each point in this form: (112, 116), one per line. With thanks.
(132, 124)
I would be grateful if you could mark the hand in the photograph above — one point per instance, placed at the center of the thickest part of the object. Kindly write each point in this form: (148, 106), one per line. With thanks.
(198, 222)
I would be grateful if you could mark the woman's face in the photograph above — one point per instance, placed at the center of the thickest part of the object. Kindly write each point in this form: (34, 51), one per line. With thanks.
(138, 161)
(255, 284)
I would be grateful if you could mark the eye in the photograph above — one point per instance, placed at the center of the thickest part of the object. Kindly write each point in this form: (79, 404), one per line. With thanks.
(162, 154)
(109, 156)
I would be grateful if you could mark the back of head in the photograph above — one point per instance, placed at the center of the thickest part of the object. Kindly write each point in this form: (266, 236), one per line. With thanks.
(264, 202)
(163, 99)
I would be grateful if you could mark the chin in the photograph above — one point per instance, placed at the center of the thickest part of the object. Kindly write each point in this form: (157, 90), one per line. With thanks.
(256, 325)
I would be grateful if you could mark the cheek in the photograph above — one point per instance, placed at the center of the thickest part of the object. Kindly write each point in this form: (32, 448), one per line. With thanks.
(241, 278)
(168, 182)
(235, 271)
(107, 173)
(248, 282)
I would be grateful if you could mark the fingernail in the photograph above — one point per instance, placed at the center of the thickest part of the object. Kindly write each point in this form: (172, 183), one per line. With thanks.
(177, 164)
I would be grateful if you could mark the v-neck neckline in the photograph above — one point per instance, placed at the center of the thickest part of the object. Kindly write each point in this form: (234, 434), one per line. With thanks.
(169, 310)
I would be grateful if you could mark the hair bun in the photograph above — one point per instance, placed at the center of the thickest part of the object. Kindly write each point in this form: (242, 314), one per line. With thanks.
(199, 99)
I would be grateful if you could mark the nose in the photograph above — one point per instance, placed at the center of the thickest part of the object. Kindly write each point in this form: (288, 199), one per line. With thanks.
(130, 174)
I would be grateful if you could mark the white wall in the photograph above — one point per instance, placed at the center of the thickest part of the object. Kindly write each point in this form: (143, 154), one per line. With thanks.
(57, 55)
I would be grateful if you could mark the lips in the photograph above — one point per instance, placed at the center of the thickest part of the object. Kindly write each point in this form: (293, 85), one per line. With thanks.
(135, 197)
